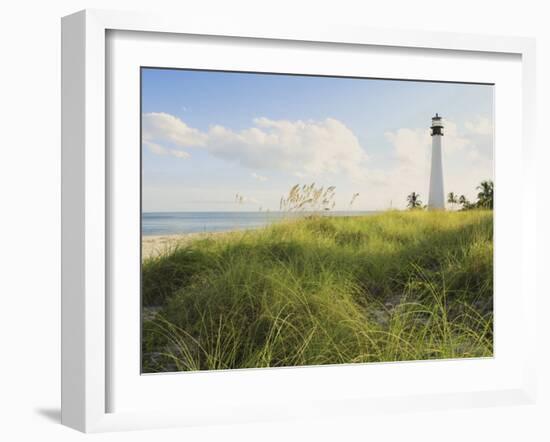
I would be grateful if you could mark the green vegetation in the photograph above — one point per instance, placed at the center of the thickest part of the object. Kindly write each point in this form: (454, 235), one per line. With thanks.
(413, 201)
(452, 199)
(484, 197)
(324, 290)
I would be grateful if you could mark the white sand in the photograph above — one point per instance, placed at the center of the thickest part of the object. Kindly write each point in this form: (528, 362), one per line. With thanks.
(155, 245)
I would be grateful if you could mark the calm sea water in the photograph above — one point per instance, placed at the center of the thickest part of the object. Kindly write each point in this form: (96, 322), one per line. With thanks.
(167, 223)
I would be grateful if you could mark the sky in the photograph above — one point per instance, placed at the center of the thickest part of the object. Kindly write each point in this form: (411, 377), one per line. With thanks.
(207, 136)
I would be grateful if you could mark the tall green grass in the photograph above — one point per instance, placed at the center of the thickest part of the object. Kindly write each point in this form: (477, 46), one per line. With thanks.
(324, 290)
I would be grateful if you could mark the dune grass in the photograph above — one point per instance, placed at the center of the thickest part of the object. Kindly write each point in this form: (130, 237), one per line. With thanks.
(324, 290)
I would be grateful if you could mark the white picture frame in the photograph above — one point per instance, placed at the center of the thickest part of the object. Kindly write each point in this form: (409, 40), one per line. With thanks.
(86, 204)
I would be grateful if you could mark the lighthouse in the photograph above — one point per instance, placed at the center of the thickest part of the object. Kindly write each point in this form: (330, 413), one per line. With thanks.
(437, 194)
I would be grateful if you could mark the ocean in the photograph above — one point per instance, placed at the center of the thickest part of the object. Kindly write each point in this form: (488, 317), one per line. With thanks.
(170, 223)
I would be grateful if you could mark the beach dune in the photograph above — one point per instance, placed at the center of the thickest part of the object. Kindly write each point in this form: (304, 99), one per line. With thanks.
(156, 245)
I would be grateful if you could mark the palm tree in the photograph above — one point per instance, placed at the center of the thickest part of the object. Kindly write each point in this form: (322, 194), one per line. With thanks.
(413, 201)
(485, 195)
(451, 199)
(464, 202)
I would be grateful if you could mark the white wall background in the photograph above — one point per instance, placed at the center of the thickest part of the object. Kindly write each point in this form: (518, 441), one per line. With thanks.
(30, 215)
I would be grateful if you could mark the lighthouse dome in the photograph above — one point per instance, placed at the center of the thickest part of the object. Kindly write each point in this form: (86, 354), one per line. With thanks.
(437, 120)
(437, 125)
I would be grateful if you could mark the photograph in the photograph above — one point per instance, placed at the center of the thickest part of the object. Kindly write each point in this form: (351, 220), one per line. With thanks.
(292, 220)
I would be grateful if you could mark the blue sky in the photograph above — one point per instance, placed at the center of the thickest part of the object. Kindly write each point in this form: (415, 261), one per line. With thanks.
(209, 135)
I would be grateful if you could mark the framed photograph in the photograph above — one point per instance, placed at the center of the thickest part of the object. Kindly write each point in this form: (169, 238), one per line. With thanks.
(280, 223)
(302, 239)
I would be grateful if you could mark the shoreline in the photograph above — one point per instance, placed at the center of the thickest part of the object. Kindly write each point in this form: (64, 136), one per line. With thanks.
(156, 245)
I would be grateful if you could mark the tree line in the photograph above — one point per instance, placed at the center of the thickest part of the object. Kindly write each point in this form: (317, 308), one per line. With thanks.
(484, 198)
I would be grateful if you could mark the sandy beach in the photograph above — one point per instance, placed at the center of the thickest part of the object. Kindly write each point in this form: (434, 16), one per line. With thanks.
(155, 245)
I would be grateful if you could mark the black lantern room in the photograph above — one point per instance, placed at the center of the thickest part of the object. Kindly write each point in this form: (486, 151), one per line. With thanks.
(437, 125)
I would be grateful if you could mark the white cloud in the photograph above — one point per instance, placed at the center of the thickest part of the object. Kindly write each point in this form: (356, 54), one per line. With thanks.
(242, 199)
(411, 146)
(179, 153)
(155, 148)
(250, 200)
(160, 150)
(480, 126)
(309, 148)
(464, 167)
(160, 127)
(473, 154)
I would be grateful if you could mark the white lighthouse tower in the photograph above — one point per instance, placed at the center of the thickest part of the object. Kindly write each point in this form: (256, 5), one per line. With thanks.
(437, 194)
